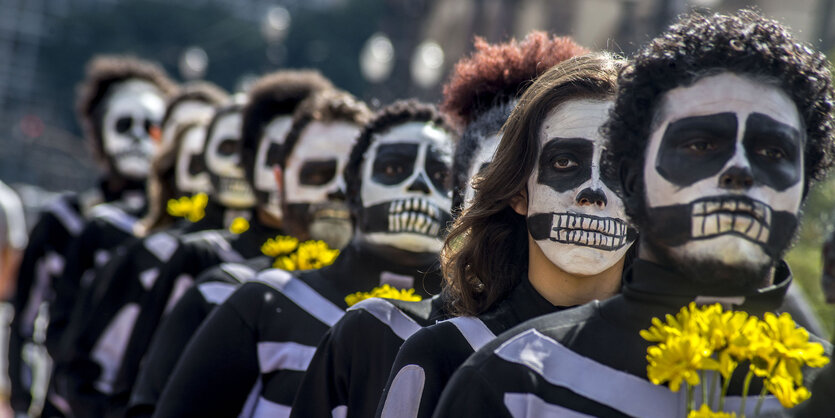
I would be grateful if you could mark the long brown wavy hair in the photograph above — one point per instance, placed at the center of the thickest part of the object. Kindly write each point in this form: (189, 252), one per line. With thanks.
(485, 254)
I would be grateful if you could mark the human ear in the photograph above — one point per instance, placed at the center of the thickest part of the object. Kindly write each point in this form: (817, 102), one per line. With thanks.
(519, 203)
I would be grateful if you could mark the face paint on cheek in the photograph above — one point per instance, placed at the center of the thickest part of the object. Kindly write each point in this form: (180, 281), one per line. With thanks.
(223, 162)
(190, 171)
(266, 158)
(185, 112)
(478, 165)
(406, 202)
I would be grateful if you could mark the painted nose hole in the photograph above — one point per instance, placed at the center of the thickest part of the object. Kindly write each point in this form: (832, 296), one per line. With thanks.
(736, 178)
(419, 185)
(592, 197)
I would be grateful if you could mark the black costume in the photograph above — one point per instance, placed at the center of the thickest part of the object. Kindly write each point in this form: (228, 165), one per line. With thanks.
(93, 346)
(578, 362)
(440, 349)
(211, 288)
(353, 360)
(251, 353)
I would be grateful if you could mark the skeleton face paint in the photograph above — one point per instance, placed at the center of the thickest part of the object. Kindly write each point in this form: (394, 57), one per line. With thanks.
(184, 112)
(482, 158)
(573, 214)
(723, 172)
(314, 190)
(132, 110)
(223, 160)
(405, 198)
(269, 150)
(190, 175)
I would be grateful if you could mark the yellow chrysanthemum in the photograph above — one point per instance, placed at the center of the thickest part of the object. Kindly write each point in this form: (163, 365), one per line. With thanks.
(192, 208)
(239, 225)
(679, 359)
(384, 291)
(314, 255)
(791, 342)
(784, 390)
(705, 412)
(280, 245)
(285, 263)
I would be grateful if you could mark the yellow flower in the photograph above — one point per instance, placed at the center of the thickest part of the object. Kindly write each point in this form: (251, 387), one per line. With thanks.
(280, 245)
(239, 225)
(791, 342)
(784, 390)
(285, 263)
(192, 208)
(679, 359)
(384, 291)
(314, 255)
(705, 412)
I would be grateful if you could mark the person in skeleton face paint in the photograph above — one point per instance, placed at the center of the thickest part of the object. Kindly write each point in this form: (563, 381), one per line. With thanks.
(272, 101)
(480, 96)
(277, 308)
(719, 127)
(556, 124)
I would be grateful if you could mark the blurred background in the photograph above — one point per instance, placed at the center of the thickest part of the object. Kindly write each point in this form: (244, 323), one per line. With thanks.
(379, 50)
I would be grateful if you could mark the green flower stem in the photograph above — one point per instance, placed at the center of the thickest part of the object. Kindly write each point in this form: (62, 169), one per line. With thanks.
(703, 384)
(689, 398)
(745, 387)
(725, 384)
(760, 400)
(712, 389)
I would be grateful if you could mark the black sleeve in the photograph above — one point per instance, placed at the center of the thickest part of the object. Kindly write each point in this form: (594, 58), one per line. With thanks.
(470, 394)
(219, 367)
(26, 302)
(434, 352)
(165, 350)
(80, 258)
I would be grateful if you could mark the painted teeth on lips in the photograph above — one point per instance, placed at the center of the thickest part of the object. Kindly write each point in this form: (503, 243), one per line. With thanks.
(414, 215)
(748, 218)
(590, 231)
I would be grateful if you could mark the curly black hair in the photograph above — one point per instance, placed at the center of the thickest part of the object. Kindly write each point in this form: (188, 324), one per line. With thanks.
(102, 73)
(700, 45)
(323, 106)
(198, 91)
(273, 95)
(397, 113)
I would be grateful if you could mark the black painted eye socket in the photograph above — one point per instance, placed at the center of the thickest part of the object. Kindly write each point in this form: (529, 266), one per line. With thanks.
(700, 146)
(394, 163)
(273, 154)
(196, 164)
(317, 173)
(149, 125)
(438, 174)
(773, 153)
(228, 147)
(124, 124)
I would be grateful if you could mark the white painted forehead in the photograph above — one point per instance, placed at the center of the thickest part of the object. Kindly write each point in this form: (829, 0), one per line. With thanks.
(134, 88)
(580, 118)
(326, 138)
(416, 131)
(226, 123)
(190, 110)
(728, 92)
(277, 129)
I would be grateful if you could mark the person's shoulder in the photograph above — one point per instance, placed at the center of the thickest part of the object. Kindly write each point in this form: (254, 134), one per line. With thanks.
(380, 314)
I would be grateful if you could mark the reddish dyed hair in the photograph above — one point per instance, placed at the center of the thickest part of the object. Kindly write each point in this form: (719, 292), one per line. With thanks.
(496, 72)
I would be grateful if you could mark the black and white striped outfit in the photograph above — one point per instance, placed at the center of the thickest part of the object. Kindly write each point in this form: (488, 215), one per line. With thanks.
(211, 288)
(43, 262)
(354, 358)
(249, 357)
(590, 361)
(428, 359)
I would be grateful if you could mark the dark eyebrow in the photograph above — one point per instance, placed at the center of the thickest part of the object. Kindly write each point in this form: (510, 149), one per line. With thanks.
(719, 124)
(567, 141)
(760, 123)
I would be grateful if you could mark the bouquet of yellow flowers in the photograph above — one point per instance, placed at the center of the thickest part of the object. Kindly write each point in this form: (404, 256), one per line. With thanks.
(290, 255)
(708, 338)
(384, 291)
(192, 208)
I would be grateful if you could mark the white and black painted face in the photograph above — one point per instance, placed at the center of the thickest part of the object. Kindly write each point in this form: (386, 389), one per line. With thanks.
(405, 196)
(223, 161)
(314, 189)
(482, 158)
(573, 214)
(184, 112)
(266, 158)
(190, 175)
(724, 172)
(133, 109)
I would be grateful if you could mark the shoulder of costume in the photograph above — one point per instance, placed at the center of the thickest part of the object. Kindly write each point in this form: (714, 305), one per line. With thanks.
(113, 215)
(67, 211)
(388, 314)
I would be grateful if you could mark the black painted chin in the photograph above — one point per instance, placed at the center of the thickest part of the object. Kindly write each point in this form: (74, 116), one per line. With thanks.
(298, 217)
(672, 226)
(601, 233)
(412, 215)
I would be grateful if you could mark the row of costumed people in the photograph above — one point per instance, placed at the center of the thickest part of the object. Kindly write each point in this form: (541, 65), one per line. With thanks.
(335, 261)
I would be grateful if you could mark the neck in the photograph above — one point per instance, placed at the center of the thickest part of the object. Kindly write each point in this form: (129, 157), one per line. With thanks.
(562, 288)
(268, 219)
